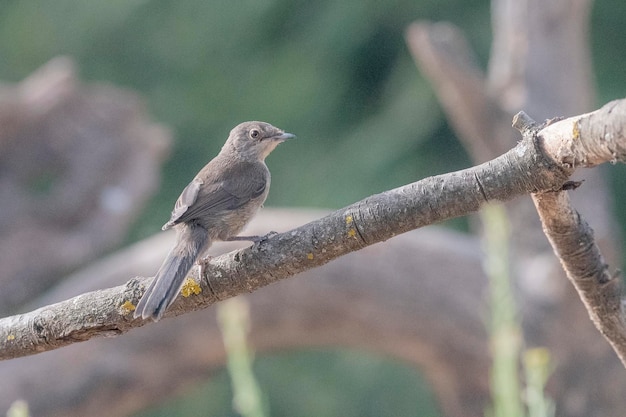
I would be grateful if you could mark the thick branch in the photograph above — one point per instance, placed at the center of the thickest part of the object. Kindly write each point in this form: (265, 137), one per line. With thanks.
(573, 242)
(586, 140)
(344, 304)
(539, 61)
(522, 170)
(589, 139)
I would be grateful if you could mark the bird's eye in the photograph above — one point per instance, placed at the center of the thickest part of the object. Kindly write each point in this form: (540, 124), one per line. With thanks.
(254, 134)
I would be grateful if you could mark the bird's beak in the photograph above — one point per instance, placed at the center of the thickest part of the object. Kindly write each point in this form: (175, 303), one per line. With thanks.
(283, 137)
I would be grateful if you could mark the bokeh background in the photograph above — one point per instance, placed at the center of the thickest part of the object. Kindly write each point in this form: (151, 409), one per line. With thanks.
(337, 74)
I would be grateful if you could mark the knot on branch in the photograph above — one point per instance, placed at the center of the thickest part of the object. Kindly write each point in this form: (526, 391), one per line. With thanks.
(524, 124)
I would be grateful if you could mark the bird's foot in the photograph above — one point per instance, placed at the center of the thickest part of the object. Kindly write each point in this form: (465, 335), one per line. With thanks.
(203, 263)
(261, 239)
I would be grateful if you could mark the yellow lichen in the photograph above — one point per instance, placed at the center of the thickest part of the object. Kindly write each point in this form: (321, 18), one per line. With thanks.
(576, 131)
(349, 219)
(127, 307)
(352, 232)
(190, 287)
(309, 256)
(11, 337)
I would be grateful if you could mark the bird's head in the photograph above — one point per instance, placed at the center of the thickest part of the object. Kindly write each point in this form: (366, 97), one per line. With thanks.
(255, 140)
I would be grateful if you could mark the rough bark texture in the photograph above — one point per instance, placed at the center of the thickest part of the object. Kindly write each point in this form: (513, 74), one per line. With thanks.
(582, 141)
(573, 242)
(567, 141)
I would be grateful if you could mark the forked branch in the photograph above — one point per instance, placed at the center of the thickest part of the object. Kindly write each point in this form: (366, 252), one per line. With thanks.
(542, 162)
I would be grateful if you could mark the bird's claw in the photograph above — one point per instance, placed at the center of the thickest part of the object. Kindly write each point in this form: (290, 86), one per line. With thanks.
(204, 260)
(261, 239)
(269, 235)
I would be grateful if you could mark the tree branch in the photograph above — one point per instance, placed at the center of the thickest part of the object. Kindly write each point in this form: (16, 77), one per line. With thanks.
(522, 170)
(539, 61)
(569, 234)
(573, 242)
(343, 305)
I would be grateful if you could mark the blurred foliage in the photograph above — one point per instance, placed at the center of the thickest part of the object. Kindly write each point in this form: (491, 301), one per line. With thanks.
(317, 383)
(18, 409)
(505, 330)
(338, 74)
(233, 316)
(511, 395)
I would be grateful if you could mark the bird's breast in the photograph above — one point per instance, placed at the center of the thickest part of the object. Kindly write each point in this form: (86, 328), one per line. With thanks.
(230, 222)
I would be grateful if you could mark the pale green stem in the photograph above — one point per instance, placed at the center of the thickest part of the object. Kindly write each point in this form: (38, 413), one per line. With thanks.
(234, 320)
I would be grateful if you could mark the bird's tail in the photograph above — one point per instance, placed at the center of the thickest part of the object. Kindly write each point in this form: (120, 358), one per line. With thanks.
(191, 242)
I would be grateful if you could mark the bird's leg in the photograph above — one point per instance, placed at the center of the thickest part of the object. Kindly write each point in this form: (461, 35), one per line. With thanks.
(202, 263)
(255, 239)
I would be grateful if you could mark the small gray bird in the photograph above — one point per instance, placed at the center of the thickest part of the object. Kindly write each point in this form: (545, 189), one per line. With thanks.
(216, 205)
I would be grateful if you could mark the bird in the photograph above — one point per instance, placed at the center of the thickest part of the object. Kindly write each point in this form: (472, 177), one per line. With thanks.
(217, 204)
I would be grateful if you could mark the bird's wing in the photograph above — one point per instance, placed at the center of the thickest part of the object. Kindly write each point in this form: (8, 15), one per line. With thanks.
(186, 199)
(200, 199)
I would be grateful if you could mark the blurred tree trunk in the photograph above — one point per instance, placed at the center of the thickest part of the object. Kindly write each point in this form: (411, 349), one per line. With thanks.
(77, 164)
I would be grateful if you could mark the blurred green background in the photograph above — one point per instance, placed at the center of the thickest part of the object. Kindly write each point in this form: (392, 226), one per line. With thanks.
(338, 74)
(316, 383)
